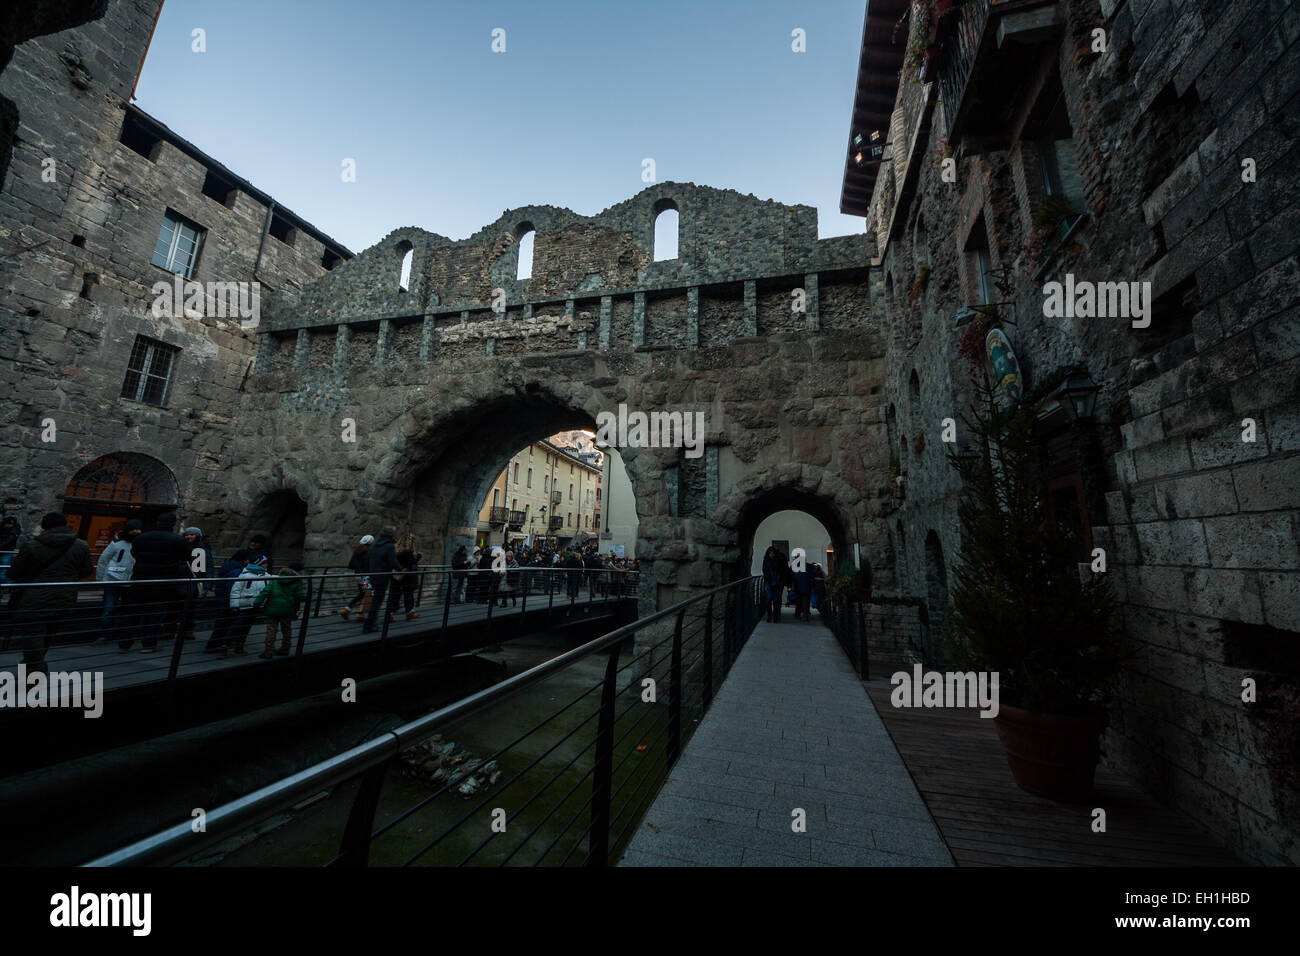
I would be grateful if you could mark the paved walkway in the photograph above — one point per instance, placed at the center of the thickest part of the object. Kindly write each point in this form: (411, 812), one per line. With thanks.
(791, 729)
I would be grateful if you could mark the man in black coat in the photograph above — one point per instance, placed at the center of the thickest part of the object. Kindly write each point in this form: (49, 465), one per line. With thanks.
(160, 555)
(383, 563)
(56, 554)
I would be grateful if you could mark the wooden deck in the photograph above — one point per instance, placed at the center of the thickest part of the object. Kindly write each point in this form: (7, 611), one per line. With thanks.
(986, 820)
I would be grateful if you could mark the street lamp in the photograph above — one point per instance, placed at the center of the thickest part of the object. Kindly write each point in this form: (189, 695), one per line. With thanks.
(1078, 395)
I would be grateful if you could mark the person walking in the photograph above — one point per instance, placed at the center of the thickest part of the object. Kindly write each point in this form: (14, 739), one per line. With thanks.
(243, 601)
(56, 554)
(163, 558)
(225, 619)
(803, 584)
(573, 572)
(359, 564)
(460, 565)
(383, 567)
(11, 533)
(511, 586)
(280, 599)
(409, 584)
(114, 571)
(481, 581)
(774, 571)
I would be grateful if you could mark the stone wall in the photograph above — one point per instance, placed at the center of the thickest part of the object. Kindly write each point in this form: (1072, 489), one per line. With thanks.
(1198, 521)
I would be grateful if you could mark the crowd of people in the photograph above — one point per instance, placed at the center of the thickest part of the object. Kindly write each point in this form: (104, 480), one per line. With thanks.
(157, 583)
(807, 586)
(498, 575)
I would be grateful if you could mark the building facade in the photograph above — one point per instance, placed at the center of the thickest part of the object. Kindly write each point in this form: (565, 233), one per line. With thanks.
(1144, 152)
(549, 491)
(122, 392)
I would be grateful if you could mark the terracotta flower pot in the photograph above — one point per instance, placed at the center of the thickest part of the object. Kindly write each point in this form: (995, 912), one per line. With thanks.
(1051, 755)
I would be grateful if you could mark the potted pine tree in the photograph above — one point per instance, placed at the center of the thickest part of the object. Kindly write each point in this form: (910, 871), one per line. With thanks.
(1020, 608)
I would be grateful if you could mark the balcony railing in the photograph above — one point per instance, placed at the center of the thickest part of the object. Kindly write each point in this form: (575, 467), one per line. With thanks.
(987, 47)
(556, 522)
(959, 50)
(499, 515)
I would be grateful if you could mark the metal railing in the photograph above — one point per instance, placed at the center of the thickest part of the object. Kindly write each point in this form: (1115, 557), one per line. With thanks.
(597, 756)
(959, 54)
(846, 621)
(93, 625)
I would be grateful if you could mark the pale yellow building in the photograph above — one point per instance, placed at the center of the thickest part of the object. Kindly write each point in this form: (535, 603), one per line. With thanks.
(545, 492)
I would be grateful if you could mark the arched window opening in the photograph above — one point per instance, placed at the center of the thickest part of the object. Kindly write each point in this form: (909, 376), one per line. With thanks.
(914, 397)
(407, 252)
(526, 236)
(106, 492)
(667, 222)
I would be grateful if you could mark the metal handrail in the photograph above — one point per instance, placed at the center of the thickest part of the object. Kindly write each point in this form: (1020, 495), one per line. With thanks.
(163, 613)
(372, 758)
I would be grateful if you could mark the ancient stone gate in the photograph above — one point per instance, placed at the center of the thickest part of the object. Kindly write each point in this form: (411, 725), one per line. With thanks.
(441, 364)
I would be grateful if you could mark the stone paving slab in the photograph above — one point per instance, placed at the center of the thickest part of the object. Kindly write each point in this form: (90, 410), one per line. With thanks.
(791, 728)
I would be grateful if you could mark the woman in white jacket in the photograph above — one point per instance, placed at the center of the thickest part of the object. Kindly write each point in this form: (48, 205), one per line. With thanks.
(243, 593)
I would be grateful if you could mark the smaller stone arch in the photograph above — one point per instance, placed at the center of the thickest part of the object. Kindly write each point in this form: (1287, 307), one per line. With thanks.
(914, 397)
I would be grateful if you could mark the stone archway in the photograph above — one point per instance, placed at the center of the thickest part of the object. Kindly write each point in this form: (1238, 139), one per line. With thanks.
(111, 489)
(806, 488)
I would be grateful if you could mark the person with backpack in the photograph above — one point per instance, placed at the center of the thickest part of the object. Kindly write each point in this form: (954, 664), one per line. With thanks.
(114, 571)
(243, 598)
(225, 616)
(56, 554)
(280, 599)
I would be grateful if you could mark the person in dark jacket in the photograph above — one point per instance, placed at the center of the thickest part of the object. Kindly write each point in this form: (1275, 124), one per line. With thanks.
(409, 558)
(56, 554)
(225, 615)
(460, 564)
(573, 571)
(11, 533)
(803, 585)
(162, 556)
(359, 564)
(383, 566)
(774, 572)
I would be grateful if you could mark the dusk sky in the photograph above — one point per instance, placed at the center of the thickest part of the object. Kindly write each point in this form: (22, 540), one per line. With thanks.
(447, 134)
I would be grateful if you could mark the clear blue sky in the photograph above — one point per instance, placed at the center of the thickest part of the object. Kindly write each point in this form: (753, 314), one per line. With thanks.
(447, 134)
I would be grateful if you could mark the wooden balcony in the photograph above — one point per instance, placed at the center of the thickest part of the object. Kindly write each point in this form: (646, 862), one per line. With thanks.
(988, 48)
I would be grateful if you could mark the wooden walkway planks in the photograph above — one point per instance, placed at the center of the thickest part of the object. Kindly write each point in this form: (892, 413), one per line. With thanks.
(986, 820)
